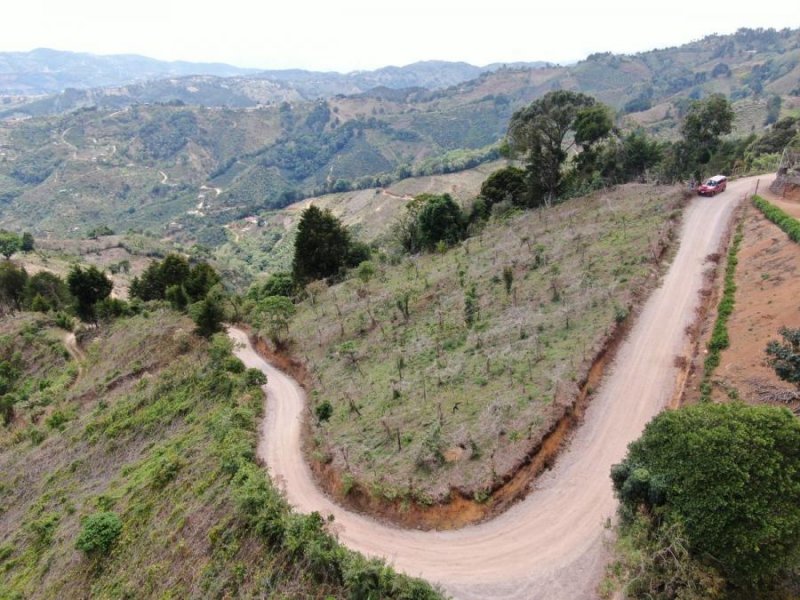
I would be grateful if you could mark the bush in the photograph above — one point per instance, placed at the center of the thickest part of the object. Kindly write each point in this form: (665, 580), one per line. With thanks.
(323, 411)
(98, 533)
(255, 377)
(731, 474)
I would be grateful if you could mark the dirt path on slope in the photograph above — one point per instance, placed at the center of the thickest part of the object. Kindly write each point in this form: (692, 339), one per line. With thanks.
(75, 351)
(549, 546)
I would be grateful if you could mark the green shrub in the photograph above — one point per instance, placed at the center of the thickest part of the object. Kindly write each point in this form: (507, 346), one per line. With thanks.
(98, 533)
(324, 411)
(255, 377)
(731, 474)
(783, 220)
(719, 335)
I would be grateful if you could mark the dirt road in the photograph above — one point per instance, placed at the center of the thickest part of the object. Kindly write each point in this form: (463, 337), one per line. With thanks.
(75, 351)
(551, 544)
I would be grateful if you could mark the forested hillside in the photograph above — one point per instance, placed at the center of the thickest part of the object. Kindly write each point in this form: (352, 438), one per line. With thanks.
(184, 170)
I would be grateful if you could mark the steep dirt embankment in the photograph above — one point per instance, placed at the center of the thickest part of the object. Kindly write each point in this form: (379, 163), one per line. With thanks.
(549, 545)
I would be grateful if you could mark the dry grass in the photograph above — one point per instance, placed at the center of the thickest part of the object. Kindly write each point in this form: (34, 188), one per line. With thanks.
(468, 403)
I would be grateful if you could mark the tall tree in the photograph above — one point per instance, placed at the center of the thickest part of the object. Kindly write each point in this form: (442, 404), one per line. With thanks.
(541, 132)
(13, 280)
(89, 286)
(9, 243)
(26, 242)
(704, 125)
(321, 247)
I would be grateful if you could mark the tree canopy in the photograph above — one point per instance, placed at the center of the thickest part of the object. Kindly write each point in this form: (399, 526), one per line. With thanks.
(321, 248)
(704, 125)
(546, 130)
(730, 474)
(507, 184)
(89, 286)
(10, 243)
(428, 220)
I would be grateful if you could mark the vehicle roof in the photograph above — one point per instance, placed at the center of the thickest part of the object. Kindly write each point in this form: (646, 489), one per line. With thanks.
(717, 178)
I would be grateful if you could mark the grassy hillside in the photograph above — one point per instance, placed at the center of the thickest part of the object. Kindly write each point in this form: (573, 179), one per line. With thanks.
(260, 245)
(184, 171)
(157, 427)
(446, 370)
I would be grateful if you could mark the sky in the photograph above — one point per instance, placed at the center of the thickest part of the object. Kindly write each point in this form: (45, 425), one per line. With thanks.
(347, 35)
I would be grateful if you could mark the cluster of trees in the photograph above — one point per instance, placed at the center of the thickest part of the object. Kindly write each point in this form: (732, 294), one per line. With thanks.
(430, 221)
(721, 481)
(11, 243)
(196, 289)
(570, 146)
(85, 293)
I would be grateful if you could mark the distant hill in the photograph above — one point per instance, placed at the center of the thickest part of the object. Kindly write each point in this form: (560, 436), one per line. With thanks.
(69, 81)
(209, 156)
(46, 71)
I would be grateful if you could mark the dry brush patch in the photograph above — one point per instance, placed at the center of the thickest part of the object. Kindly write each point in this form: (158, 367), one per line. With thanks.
(427, 405)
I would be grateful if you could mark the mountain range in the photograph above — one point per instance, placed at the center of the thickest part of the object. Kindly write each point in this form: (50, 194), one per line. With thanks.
(185, 156)
(45, 81)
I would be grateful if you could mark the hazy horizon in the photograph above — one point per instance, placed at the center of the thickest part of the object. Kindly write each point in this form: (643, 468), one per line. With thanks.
(355, 35)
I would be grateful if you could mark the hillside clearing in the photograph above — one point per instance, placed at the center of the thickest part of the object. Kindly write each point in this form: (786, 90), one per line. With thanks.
(424, 404)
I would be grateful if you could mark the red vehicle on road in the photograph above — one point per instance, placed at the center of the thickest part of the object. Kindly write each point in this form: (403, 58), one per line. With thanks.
(713, 186)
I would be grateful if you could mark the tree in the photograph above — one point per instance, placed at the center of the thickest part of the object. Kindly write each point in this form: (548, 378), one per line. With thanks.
(277, 284)
(506, 184)
(705, 123)
(9, 243)
(321, 247)
(89, 286)
(98, 533)
(201, 279)
(275, 313)
(540, 132)
(731, 474)
(439, 220)
(13, 280)
(785, 357)
(208, 315)
(50, 290)
(26, 243)
(639, 154)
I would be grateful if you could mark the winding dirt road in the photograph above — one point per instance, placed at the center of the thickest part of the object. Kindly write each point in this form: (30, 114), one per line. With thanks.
(551, 544)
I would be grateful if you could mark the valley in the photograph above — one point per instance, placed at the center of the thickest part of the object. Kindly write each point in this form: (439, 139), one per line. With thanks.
(419, 332)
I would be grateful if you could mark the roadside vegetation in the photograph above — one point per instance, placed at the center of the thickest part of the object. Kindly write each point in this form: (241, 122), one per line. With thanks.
(135, 474)
(710, 505)
(446, 356)
(787, 223)
(719, 334)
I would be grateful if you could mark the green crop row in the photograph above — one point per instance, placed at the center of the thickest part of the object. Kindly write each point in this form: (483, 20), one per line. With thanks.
(783, 220)
(719, 336)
